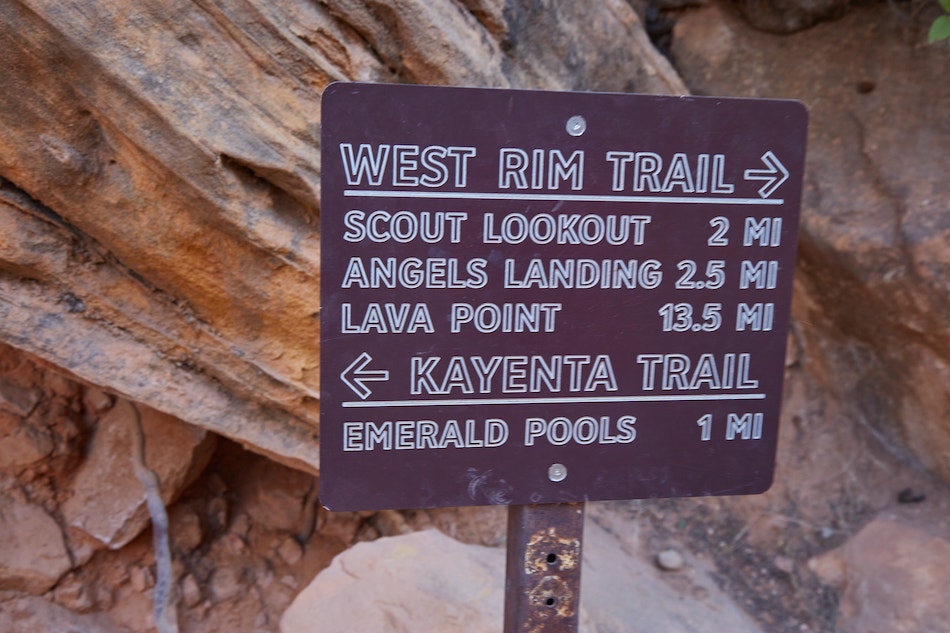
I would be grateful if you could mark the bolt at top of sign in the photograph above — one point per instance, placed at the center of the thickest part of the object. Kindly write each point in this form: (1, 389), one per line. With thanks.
(576, 125)
(557, 472)
(510, 290)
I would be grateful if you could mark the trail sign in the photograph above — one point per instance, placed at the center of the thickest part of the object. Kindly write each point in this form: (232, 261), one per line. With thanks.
(538, 297)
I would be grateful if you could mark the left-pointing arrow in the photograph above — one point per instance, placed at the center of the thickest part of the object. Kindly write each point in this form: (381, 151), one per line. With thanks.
(356, 374)
(774, 174)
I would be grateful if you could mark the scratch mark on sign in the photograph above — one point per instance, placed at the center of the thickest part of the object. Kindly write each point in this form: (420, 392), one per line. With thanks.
(483, 486)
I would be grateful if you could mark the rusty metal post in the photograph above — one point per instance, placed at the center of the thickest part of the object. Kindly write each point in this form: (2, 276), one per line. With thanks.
(543, 574)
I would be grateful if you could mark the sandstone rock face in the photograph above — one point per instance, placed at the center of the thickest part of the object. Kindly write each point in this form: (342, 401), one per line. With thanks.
(873, 300)
(243, 536)
(33, 554)
(108, 502)
(22, 444)
(18, 400)
(159, 177)
(35, 615)
(26, 438)
(893, 574)
(421, 582)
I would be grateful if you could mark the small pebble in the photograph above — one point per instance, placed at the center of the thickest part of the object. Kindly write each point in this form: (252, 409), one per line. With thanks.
(217, 513)
(97, 400)
(240, 525)
(74, 594)
(784, 564)
(391, 523)
(185, 529)
(190, 591)
(139, 579)
(228, 583)
(289, 581)
(290, 551)
(670, 560)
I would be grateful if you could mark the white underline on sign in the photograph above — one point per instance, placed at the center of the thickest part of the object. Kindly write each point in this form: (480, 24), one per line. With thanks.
(577, 400)
(555, 197)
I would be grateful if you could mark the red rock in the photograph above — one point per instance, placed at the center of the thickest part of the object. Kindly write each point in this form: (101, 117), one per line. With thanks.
(159, 205)
(871, 298)
(892, 576)
(29, 614)
(33, 555)
(18, 400)
(108, 502)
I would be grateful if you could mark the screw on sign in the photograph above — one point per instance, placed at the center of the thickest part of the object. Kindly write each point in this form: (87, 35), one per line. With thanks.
(548, 298)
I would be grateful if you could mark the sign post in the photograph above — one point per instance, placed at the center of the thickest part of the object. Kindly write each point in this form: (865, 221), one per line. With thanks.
(537, 298)
(543, 568)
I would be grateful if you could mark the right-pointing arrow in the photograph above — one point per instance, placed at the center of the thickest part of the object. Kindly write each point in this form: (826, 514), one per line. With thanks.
(774, 174)
(355, 375)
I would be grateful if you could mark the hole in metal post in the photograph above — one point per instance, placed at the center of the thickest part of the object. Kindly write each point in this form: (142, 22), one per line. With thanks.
(552, 558)
(550, 602)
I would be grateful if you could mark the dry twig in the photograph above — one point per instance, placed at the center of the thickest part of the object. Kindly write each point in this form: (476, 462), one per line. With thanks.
(166, 618)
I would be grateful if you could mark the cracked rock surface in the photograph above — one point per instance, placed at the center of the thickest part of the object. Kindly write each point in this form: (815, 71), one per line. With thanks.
(873, 299)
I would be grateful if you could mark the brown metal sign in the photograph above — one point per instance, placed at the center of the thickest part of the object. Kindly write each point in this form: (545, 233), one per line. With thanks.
(538, 297)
